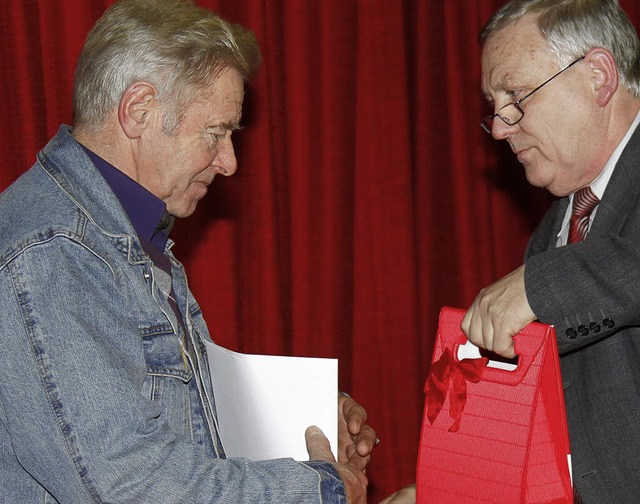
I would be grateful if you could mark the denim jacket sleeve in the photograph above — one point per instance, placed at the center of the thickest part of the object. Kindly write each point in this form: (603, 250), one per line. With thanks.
(95, 403)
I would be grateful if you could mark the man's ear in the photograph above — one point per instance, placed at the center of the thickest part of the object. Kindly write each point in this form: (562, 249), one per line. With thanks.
(137, 104)
(604, 74)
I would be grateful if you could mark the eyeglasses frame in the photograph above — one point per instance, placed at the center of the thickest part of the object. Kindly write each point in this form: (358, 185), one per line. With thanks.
(516, 104)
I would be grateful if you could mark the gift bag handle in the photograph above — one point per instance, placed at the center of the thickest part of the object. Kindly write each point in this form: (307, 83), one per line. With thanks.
(527, 345)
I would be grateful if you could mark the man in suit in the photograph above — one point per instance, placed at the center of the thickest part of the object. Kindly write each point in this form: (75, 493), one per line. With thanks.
(563, 78)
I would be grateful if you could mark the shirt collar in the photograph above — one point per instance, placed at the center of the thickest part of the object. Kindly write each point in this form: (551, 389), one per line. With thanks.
(600, 183)
(147, 213)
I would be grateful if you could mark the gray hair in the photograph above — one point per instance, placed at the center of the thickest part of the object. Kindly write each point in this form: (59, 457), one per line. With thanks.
(572, 27)
(175, 45)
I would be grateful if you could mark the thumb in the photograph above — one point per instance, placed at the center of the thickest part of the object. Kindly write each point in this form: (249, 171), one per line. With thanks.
(318, 446)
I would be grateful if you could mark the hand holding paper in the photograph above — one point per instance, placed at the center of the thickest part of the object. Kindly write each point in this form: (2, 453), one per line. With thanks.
(266, 404)
(354, 478)
(356, 439)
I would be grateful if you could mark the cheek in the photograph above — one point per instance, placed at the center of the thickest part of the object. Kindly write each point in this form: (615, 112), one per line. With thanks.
(203, 157)
(189, 166)
(554, 141)
(197, 169)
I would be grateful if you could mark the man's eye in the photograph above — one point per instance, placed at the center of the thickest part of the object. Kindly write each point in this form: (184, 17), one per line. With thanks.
(217, 137)
(515, 94)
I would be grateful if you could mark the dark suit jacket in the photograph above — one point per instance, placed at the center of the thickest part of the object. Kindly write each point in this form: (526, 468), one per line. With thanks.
(590, 291)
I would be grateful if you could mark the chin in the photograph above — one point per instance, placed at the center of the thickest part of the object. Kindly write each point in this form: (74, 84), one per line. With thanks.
(536, 182)
(183, 213)
(538, 176)
(186, 205)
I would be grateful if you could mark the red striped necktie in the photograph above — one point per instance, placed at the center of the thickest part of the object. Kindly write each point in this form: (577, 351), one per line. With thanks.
(584, 201)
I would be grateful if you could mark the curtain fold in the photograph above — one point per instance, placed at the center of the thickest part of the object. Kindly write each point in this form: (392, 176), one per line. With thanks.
(367, 196)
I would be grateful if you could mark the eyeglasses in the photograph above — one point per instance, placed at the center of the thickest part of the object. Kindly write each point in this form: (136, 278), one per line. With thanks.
(512, 113)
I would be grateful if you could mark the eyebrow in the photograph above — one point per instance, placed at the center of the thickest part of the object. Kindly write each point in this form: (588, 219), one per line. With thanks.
(232, 126)
(507, 83)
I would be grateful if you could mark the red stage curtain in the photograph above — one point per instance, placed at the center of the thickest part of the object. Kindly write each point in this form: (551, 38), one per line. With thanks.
(367, 196)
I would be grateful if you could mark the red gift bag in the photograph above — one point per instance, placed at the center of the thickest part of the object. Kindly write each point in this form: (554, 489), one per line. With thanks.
(489, 434)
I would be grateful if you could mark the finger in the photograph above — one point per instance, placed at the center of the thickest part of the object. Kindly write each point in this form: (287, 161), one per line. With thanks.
(482, 323)
(503, 344)
(465, 325)
(354, 414)
(394, 498)
(487, 333)
(507, 352)
(350, 450)
(318, 446)
(407, 495)
(472, 325)
(366, 440)
(358, 462)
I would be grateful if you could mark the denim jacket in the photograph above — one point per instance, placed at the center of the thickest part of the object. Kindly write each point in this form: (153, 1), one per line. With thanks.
(103, 397)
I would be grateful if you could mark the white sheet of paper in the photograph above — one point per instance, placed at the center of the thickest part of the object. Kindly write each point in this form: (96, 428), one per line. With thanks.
(265, 403)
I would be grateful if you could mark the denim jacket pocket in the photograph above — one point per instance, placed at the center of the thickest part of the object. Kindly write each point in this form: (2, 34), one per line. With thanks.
(163, 353)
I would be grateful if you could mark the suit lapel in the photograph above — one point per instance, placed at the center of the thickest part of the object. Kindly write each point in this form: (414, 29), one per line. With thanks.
(545, 236)
(621, 193)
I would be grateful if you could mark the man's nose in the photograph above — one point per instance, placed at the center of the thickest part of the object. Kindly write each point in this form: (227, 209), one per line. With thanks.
(500, 130)
(226, 161)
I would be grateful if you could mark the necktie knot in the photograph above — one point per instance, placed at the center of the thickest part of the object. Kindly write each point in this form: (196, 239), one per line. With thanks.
(584, 201)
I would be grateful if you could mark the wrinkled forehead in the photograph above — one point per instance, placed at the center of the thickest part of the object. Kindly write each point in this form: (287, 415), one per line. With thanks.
(513, 55)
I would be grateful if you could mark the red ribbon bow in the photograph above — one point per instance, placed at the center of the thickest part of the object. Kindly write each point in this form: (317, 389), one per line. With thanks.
(448, 372)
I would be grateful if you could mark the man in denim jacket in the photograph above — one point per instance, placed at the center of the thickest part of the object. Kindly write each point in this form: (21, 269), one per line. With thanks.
(104, 389)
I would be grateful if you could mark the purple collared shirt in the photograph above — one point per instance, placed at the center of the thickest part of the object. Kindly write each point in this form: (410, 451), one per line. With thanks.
(147, 213)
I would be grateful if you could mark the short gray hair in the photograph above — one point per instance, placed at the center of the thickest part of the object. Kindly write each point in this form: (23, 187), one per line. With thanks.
(573, 27)
(177, 46)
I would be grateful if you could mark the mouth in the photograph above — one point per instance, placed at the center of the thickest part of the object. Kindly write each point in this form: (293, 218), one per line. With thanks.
(206, 181)
(521, 153)
(201, 187)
